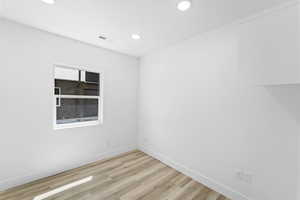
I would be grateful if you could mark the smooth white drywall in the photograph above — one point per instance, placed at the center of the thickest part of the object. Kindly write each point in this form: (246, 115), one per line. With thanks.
(298, 172)
(29, 147)
(198, 109)
(269, 47)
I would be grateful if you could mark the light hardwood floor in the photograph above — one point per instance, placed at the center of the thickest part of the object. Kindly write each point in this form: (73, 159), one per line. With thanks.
(130, 176)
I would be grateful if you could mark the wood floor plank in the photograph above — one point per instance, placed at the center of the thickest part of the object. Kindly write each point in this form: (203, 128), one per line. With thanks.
(130, 176)
(63, 177)
(149, 185)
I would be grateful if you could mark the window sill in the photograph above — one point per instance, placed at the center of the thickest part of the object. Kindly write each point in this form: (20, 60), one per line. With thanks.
(76, 125)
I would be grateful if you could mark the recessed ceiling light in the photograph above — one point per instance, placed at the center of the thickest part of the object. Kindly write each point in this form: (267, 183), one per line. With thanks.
(184, 5)
(135, 36)
(48, 1)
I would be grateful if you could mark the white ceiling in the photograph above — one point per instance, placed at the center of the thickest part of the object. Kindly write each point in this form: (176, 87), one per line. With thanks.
(157, 21)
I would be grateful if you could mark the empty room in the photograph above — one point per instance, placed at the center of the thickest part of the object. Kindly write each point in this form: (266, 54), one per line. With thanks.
(150, 100)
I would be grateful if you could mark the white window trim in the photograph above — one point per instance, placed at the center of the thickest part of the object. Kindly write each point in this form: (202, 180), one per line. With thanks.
(100, 100)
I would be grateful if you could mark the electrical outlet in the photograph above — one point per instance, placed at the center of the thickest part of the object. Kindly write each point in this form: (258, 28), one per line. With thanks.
(245, 177)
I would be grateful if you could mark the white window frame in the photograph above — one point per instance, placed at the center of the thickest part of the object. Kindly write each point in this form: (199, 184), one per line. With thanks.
(100, 101)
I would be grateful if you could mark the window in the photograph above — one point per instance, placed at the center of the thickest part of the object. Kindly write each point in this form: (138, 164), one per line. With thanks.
(77, 97)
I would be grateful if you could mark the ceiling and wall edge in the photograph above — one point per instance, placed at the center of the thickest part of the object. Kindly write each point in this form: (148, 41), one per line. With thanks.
(68, 38)
(244, 20)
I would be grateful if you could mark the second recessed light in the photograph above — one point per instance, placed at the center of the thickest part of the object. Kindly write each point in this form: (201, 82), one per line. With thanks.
(184, 5)
(48, 1)
(135, 36)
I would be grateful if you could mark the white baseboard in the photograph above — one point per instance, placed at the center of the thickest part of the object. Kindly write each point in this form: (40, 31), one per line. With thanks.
(221, 188)
(13, 182)
(215, 185)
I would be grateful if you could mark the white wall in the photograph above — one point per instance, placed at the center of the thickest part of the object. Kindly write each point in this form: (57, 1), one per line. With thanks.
(199, 111)
(29, 147)
(298, 167)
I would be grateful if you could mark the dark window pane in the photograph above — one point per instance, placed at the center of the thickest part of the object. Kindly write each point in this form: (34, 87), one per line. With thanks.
(77, 110)
(92, 77)
(56, 91)
(68, 87)
(57, 101)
